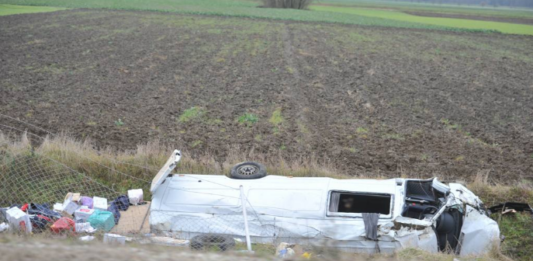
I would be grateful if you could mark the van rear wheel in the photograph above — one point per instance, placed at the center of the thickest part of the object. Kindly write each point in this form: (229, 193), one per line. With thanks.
(248, 170)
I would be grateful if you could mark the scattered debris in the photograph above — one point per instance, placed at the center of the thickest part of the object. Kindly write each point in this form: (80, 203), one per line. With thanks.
(84, 227)
(83, 214)
(135, 196)
(19, 220)
(103, 220)
(168, 241)
(114, 239)
(285, 250)
(99, 203)
(63, 224)
(4, 227)
(511, 207)
(86, 238)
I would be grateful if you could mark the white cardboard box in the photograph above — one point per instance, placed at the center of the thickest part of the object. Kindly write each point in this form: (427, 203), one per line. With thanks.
(99, 203)
(135, 196)
(18, 219)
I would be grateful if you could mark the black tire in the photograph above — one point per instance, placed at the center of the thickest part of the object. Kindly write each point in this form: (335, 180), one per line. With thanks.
(448, 230)
(212, 241)
(248, 170)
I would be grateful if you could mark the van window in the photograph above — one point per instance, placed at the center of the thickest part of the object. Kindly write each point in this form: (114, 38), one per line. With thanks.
(346, 202)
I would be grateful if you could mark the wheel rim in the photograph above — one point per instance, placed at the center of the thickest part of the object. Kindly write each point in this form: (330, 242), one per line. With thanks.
(247, 170)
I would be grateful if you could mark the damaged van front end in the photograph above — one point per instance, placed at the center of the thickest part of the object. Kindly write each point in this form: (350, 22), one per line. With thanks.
(355, 215)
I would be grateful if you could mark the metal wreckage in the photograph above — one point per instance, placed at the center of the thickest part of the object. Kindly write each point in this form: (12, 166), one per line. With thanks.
(356, 215)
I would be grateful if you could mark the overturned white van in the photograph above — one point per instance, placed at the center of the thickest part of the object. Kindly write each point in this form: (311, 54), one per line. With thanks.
(358, 215)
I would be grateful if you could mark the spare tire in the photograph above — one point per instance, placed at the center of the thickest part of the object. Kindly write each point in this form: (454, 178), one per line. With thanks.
(212, 241)
(248, 170)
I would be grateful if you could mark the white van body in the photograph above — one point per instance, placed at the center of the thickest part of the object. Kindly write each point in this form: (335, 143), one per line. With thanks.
(309, 211)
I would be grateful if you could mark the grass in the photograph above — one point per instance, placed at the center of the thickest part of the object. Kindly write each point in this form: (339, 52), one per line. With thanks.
(18, 9)
(508, 28)
(191, 114)
(241, 8)
(248, 119)
(276, 118)
(518, 238)
(487, 11)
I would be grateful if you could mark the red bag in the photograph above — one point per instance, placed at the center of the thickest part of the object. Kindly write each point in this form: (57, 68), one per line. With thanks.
(63, 224)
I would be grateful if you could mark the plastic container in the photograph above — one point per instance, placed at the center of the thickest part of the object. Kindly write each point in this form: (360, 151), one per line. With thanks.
(102, 220)
(82, 215)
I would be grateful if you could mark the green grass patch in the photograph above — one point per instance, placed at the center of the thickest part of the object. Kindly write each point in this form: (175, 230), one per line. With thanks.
(518, 235)
(191, 114)
(487, 11)
(248, 119)
(19, 9)
(507, 28)
(276, 118)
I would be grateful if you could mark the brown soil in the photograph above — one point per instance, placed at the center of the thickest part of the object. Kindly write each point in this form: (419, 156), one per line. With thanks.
(476, 17)
(372, 101)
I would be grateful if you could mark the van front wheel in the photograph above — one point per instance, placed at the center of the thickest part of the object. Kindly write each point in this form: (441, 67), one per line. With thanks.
(248, 170)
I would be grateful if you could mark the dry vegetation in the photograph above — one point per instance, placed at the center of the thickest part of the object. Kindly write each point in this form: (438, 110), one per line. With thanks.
(58, 249)
(144, 162)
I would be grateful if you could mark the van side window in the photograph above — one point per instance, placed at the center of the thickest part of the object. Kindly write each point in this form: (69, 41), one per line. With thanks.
(346, 202)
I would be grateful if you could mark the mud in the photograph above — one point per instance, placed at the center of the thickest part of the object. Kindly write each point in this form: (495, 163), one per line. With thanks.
(371, 101)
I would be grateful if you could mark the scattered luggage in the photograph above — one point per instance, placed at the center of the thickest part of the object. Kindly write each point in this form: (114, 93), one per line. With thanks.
(84, 227)
(135, 196)
(43, 210)
(40, 223)
(102, 220)
(19, 220)
(87, 201)
(76, 214)
(83, 214)
(113, 208)
(62, 225)
(99, 203)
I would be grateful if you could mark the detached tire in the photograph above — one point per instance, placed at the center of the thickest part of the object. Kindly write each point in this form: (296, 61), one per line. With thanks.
(248, 170)
(212, 241)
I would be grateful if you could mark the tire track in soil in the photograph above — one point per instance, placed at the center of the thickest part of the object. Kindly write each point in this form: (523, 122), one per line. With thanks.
(296, 90)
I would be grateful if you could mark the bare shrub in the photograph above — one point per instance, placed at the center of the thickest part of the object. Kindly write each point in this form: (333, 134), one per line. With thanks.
(294, 4)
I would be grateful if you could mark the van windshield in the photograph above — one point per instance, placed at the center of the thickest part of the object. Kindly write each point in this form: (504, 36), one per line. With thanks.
(346, 202)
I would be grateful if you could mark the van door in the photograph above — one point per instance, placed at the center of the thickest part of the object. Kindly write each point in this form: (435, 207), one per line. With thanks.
(165, 170)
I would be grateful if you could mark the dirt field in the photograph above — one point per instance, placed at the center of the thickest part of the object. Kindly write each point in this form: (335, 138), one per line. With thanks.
(372, 101)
